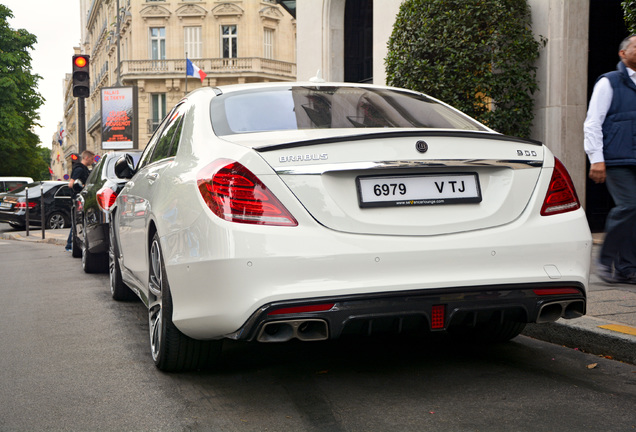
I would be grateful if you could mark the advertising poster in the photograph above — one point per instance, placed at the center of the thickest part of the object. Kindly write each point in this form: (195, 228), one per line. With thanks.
(118, 114)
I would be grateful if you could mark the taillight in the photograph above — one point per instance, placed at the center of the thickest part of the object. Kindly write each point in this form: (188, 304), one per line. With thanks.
(106, 198)
(556, 291)
(561, 196)
(22, 205)
(234, 194)
(438, 314)
(302, 309)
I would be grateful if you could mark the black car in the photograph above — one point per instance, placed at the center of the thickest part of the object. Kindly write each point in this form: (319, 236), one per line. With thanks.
(91, 212)
(57, 205)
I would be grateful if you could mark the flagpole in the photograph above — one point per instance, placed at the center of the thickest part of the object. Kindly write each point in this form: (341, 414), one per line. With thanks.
(186, 74)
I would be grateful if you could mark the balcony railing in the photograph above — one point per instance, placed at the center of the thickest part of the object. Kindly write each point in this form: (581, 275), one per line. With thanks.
(131, 69)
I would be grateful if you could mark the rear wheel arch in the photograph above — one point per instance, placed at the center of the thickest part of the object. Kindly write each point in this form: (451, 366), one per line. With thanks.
(172, 351)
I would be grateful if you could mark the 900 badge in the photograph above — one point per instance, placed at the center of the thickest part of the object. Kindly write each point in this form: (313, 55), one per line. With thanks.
(526, 153)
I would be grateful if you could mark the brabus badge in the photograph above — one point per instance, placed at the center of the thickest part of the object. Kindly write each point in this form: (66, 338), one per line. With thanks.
(421, 146)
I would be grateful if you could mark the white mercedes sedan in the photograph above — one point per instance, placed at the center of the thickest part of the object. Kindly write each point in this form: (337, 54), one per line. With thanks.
(278, 211)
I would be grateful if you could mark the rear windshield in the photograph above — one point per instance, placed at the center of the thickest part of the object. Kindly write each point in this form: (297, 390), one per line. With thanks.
(34, 189)
(293, 108)
(11, 185)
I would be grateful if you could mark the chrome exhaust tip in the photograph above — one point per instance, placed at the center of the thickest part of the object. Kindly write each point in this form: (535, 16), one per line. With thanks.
(304, 330)
(550, 312)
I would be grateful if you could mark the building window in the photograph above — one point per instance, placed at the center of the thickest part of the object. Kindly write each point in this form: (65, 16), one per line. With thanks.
(158, 109)
(192, 40)
(229, 41)
(158, 43)
(268, 46)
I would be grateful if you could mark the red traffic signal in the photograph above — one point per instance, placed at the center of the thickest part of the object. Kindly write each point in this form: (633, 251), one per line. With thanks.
(80, 61)
(74, 157)
(81, 78)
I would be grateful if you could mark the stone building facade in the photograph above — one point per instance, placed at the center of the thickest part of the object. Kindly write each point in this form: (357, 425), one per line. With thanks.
(144, 43)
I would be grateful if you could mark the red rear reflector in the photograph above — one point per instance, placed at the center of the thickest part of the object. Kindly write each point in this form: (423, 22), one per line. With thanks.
(438, 313)
(556, 291)
(234, 194)
(302, 309)
(106, 198)
(561, 196)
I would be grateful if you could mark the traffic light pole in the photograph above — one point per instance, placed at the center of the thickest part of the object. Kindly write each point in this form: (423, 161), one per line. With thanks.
(81, 125)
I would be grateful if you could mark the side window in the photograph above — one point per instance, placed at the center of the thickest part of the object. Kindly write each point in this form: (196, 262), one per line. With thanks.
(95, 173)
(64, 192)
(150, 148)
(167, 143)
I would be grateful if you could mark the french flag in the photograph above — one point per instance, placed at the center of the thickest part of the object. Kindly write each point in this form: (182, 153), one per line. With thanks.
(193, 70)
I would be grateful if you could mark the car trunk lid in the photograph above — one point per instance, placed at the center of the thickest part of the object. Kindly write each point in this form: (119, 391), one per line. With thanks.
(405, 182)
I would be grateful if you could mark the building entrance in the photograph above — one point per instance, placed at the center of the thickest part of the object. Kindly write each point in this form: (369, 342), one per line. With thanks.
(607, 30)
(358, 41)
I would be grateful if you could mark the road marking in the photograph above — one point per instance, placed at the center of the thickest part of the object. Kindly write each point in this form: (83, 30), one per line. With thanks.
(620, 328)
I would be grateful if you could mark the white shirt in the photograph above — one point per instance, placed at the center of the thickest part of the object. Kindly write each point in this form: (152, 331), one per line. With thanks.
(593, 127)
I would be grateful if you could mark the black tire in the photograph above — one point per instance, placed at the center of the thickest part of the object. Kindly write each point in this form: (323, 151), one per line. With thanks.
(76, 249)
(92, 263)
(172, 351)
(57, 220)
(118, 289)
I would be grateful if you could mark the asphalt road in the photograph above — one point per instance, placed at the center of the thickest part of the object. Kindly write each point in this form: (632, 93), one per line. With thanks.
(72, 359)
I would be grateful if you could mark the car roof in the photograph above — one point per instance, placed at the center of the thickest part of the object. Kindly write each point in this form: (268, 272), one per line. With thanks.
(9, 178)
(265, 85)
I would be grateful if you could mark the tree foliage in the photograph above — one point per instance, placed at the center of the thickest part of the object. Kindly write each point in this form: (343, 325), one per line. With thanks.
(477, 55)
(19, 102)
(629, 11)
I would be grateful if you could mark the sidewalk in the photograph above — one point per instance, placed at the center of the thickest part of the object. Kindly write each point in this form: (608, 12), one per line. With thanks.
(608, 328)
(57, 236)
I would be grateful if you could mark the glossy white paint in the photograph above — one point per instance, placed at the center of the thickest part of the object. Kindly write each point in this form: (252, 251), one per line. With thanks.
(220, 272)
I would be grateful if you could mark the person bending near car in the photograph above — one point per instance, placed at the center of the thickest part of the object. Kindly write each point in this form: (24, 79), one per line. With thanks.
(610, 144)
(79, 175)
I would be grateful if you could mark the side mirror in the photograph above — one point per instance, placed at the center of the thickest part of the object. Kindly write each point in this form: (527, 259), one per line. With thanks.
(125, 167)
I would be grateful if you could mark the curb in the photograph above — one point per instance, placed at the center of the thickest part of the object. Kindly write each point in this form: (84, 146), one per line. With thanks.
(35, 238)
(586, 335)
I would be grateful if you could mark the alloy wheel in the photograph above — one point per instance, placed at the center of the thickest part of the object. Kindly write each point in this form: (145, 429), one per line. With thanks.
(84, 250)
(111, 262)
(56, 221)
(155, 307)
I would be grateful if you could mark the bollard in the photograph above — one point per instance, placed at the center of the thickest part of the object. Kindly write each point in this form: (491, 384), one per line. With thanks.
(42, 209)
(26, 191)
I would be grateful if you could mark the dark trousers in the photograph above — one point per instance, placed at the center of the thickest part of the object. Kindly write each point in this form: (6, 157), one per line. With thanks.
(619, 246)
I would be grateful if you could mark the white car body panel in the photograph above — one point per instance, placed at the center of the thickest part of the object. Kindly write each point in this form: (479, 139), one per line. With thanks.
(222, 272)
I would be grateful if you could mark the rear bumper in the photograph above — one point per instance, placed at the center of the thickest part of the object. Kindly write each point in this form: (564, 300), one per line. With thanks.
(414, 311)
(217, 295)
(18, 218)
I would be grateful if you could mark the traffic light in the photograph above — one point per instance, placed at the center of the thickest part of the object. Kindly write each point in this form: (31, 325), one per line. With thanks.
(74, 157)
(81, 79)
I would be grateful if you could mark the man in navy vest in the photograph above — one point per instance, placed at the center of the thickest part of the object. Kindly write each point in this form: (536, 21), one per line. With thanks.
(610, 144)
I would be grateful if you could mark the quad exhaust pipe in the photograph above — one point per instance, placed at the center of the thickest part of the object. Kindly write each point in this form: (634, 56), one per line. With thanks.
(568, 309)
(303, 329)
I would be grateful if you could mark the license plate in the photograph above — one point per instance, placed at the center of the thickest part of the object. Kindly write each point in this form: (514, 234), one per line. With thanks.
(5, 205)
(426, 189)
